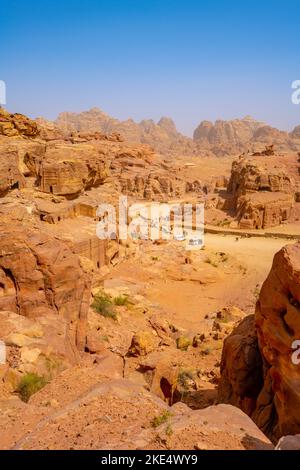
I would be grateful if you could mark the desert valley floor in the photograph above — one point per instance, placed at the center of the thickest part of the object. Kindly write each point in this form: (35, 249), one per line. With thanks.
(142, 344)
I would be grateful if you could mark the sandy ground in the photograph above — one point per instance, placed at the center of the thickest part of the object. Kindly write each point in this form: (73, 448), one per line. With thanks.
(214, 282)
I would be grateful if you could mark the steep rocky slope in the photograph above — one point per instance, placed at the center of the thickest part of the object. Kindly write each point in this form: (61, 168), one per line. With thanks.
(259, 369)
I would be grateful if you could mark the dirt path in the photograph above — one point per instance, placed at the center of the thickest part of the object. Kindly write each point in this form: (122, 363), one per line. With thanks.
(235, 282)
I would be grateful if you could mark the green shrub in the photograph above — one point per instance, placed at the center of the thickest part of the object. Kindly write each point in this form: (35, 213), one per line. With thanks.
(30, 384)
(122, 300)
(162, 418)
(183, 343)
(103, 304)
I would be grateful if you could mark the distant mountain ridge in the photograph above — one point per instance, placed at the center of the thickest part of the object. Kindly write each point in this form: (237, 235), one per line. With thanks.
(209, 139)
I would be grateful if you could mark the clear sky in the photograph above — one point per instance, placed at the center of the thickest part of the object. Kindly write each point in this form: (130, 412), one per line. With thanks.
(191, 60)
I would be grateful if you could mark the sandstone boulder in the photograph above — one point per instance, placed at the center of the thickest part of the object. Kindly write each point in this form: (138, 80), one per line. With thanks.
(142, 343)
(289, 443)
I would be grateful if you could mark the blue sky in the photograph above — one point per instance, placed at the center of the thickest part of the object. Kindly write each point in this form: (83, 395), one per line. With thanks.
(191, 60)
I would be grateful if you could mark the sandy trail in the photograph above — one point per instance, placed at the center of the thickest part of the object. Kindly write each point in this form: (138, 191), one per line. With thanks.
(257, 253)
(186, 303)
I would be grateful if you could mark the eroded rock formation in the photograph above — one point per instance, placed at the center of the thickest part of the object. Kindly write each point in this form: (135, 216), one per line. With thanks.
(17, 124)
(241, 135)
(259, 372)
(260, 193)
(40, 275)
(216, 139)
(163, 136)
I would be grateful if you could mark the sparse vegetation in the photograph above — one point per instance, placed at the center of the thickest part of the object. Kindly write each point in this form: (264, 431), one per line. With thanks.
(104, 338)
(103, 304)
(184, 377)
(30, 384)
(224, 319)
(206, 351)
(169, 430)
(219, 257)
(224, 223)
(53, 365)
(183, 343)
(160, 419)
(256, 292)
(154, 258)
(224, 257)
(211, 262)
(243, 269)
(122, 300)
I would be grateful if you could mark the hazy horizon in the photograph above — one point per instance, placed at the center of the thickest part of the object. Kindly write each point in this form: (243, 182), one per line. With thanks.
(190, 61)
(149, 118)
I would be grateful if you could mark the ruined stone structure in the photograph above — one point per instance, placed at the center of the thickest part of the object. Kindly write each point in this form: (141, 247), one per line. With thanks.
(94, 249)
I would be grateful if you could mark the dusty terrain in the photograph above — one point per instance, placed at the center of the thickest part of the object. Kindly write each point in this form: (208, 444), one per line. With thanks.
(120, 344)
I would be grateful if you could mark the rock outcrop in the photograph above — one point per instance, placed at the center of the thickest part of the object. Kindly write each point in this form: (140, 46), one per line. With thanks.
(39, 276)
(260, 368)
(144, 421)
(66, 169)
(220, 138)
(17, 124)
(241, 135)
(11, 176)
(260, 193)
(226, 137)
(40, 345)
(163, 136)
